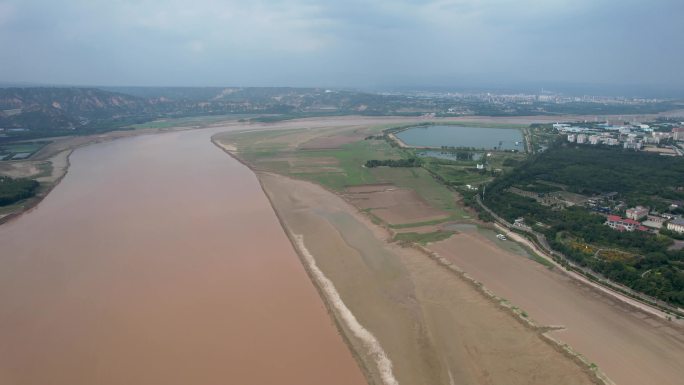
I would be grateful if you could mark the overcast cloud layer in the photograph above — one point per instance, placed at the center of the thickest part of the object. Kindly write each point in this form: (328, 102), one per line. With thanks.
(342, 43)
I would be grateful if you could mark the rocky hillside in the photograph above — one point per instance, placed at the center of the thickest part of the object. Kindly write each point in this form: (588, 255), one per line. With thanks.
(64, 108)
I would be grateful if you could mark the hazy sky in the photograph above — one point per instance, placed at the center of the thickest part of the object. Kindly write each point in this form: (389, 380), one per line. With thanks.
(342, 43)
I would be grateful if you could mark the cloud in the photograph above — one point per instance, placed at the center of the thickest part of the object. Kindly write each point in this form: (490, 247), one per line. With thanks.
(351, 43)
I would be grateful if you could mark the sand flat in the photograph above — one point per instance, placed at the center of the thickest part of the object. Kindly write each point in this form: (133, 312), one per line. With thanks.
(148, 265)
(435, 327)
(631, 347)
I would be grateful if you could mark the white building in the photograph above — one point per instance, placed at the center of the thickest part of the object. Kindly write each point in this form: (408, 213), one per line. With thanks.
(581, 138)
(652, 139)
(661, 135)
(676, 225)
(571, 138)
(654, 221)
(637, 213)
(678, 133)
(594, 139)
(632, 145)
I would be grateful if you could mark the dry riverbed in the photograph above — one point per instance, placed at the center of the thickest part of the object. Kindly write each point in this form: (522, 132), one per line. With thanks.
(433, 326)
(630, 346)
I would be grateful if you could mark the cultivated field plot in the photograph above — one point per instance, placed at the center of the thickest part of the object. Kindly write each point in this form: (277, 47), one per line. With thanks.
(336, 140)
(335, 158)
(394, 205)
(21, 150)
(434, 327)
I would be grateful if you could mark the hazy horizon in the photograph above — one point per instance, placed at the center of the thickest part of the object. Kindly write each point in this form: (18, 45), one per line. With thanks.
(463, 44)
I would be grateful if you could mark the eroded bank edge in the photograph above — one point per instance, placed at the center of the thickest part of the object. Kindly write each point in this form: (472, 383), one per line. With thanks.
(373, 377)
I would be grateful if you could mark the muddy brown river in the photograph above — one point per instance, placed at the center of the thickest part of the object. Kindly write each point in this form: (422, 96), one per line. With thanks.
(158, 260)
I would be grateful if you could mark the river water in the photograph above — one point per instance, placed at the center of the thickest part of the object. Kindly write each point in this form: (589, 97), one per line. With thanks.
(158, 260)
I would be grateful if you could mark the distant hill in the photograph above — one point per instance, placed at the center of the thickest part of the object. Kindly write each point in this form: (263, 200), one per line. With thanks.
(53, 110)
(31, 112)
(64, 108)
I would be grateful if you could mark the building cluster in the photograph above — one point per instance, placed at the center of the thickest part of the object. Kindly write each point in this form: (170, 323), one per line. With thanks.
(641, 219)
(541, 97)
(616, 222)
(635, 136)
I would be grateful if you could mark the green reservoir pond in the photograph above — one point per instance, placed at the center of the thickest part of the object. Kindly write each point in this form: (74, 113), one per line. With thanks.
(462, 136)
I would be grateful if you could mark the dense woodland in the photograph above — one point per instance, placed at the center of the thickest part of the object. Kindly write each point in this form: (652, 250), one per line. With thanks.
(14, 190)
(643, 261)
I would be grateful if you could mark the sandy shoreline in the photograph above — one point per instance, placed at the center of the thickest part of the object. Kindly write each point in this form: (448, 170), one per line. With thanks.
(330, 307)
(428, 361)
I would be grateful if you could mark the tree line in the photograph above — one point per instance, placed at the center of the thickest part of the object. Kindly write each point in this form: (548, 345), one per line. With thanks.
(653, 268)
(408, 162)
(13, 190)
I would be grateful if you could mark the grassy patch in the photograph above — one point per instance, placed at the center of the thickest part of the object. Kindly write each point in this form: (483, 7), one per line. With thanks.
(423, 238)
(351, 159)
(539, 259)
(426, 223)
(275, 151)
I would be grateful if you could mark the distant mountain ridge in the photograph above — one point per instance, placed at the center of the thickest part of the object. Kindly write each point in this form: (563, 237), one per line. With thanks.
(31, 112)
(44, 108)
(73, 108)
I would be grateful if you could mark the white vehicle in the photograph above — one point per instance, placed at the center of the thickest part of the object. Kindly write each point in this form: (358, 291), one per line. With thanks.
(501, 237)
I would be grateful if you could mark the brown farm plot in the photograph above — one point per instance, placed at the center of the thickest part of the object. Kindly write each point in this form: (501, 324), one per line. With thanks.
(394, 205)
(631, 347)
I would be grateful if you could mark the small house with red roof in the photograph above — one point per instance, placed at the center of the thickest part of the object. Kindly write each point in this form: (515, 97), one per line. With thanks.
(618, 223)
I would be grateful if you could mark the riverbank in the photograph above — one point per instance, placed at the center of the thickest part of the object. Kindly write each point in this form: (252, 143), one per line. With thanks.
(434, 327)
(564, 328)
(631, 346)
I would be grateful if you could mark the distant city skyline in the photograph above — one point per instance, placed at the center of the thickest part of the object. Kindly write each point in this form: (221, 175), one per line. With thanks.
(633, 46)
